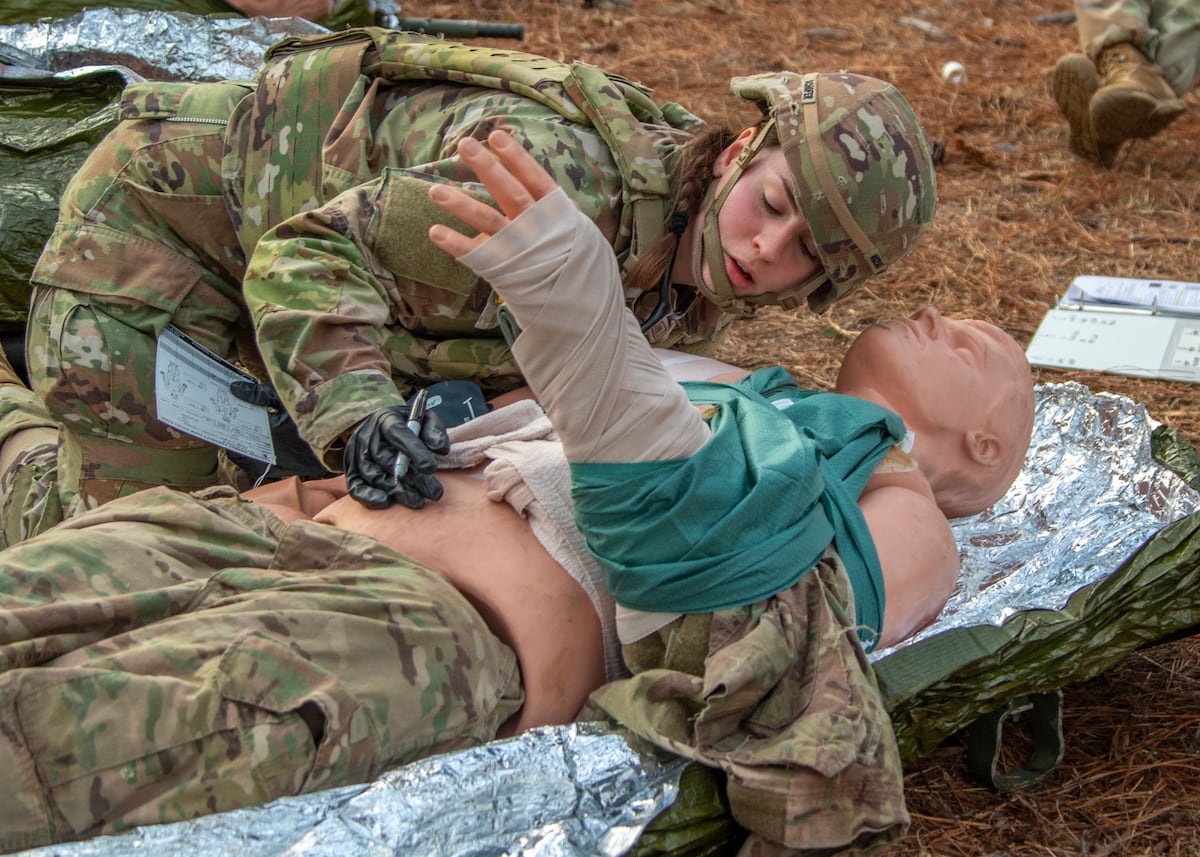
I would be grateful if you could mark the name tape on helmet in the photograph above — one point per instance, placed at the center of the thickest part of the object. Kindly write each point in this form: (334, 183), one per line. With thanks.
(808, 89)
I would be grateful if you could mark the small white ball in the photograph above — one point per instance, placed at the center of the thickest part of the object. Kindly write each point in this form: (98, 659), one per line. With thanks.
(954, 73)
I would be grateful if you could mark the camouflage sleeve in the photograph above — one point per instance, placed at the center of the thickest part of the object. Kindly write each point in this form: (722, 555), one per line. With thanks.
(335, 290)
(319, 302)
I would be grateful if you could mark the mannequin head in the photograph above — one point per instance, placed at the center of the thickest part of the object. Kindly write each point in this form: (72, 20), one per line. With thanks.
(963, 388)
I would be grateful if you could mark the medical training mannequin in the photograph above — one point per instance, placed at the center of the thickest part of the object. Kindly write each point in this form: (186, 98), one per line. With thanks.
(557, 634)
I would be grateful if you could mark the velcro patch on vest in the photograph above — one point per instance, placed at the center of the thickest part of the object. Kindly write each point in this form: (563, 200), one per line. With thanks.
(403, 244)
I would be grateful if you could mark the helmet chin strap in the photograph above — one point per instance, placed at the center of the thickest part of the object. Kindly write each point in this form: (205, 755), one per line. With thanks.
(709, 247)
(721, 291)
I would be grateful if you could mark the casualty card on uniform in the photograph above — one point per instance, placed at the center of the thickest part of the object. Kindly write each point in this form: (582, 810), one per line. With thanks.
(192, 395)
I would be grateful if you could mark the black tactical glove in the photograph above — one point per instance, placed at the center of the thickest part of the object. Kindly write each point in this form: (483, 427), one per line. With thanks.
(293, 457)
(387, 462)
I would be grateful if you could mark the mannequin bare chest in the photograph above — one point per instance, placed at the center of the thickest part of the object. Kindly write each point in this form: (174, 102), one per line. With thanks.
(492, 556)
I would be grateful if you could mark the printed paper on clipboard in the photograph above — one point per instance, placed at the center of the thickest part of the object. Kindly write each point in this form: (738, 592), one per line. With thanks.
(191, 392)
(1142, 328)
(1172, 297)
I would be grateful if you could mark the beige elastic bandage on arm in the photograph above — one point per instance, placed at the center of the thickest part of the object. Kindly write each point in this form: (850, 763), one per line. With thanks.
(605, 391)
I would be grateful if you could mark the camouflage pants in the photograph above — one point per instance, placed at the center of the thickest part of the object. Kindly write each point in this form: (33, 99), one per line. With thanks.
(171, 655)
(143, 240)
(1167, 31)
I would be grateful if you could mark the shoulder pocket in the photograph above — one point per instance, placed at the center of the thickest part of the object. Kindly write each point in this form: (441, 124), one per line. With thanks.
(205, 102)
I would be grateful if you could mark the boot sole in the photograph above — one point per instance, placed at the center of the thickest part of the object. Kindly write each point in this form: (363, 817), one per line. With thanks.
(1074, 83)
(1122, 114)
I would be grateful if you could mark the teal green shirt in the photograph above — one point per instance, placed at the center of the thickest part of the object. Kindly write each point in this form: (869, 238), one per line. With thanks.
(750, 513)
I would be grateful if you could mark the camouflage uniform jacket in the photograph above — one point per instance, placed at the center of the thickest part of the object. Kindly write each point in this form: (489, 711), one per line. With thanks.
(780, 697)
(327, 173)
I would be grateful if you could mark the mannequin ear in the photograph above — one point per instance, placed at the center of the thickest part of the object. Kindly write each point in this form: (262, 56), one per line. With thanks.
(983, 447)
(730, 154)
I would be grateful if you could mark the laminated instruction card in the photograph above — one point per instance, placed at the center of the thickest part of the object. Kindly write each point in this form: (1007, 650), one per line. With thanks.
(1146, 328)
(191, 389)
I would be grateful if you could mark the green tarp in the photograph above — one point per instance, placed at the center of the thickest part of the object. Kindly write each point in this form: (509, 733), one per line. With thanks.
(943, 684)
(47, 127)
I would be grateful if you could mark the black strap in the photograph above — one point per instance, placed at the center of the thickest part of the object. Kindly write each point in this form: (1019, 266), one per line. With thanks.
(985, 737)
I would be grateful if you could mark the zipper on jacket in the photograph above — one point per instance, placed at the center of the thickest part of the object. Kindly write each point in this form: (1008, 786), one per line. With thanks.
(206, 120)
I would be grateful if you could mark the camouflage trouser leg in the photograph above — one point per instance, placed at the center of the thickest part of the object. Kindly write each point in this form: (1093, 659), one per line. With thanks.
(168, 656)
(28, 461)
(1167, 31)
(143, 241)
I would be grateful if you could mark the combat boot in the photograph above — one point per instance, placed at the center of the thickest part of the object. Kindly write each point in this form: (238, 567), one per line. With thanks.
(1133, 99)
(1074, 83)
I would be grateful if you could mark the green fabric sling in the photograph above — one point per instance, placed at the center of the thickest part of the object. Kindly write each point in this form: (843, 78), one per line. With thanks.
(751, 513)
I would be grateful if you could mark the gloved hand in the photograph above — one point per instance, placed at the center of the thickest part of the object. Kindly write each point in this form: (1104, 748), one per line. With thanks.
(387, 462)
(293, 457)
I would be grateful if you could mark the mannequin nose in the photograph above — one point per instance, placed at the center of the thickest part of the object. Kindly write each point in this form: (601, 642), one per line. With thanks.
(930, 319)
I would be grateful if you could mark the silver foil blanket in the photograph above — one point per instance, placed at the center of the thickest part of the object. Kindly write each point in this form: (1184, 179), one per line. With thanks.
(163, 45)
(570, 790)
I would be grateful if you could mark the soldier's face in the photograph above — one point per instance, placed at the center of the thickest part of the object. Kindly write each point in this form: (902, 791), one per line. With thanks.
(766, 244)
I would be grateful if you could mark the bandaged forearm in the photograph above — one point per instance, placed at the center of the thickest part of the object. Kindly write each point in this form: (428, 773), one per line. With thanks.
(606, 393)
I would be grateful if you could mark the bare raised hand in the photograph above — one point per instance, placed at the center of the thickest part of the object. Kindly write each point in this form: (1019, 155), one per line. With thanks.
(513, 178)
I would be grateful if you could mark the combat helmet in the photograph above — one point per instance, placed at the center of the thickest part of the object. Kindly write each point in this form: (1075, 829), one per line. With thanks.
(863, 175)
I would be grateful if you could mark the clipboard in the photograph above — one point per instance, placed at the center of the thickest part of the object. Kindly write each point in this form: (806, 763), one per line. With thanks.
(1142, 328)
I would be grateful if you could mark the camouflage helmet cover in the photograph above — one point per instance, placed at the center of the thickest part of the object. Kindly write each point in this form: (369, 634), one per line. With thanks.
(862, 166)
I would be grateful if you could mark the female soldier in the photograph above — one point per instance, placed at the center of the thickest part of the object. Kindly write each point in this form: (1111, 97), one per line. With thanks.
(285, 223)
